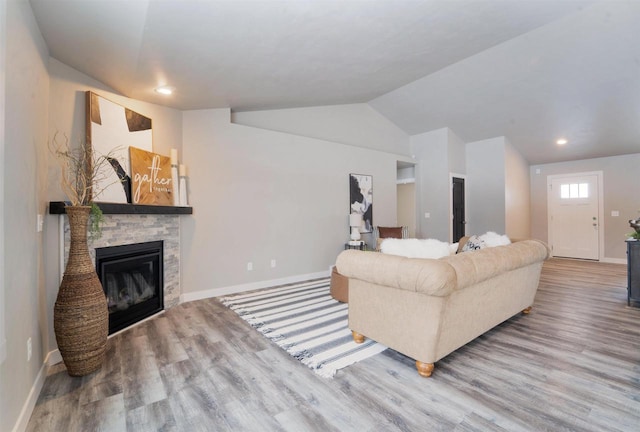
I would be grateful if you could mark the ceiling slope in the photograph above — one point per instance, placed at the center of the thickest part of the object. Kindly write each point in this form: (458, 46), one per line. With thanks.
(250, 55)
(576, 78)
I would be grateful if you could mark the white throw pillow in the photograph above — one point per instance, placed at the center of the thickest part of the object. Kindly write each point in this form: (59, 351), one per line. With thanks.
(492, 239)
(453, 248)
(415, 248)
(474, 243)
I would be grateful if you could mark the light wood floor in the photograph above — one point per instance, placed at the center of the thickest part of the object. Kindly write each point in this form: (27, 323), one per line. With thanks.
(572, 364)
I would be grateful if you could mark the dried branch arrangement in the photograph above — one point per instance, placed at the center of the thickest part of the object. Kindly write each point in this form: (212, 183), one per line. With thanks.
(81, 169)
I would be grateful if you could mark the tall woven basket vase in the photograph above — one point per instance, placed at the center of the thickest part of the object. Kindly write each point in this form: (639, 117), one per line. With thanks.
(80, 315)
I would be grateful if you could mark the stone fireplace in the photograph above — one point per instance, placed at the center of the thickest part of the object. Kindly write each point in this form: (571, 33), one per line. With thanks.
(126, 224)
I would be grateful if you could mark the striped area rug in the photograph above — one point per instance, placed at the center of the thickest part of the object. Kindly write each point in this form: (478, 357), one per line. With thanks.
(307, 322)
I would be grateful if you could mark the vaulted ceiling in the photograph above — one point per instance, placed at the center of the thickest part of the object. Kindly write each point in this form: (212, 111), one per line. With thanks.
(526, 69)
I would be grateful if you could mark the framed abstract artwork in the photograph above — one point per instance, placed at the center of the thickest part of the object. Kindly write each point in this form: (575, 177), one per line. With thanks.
(111, 130)
(361, 199)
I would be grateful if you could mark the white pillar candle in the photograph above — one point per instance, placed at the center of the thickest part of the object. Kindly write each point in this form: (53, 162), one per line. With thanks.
(174, 156)
(176, 185)
(184, 201)
(183, 170)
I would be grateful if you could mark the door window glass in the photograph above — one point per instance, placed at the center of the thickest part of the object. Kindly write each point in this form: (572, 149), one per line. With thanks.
(574, 190)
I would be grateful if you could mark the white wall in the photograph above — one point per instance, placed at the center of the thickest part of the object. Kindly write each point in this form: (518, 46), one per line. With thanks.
(485, 186)
(498, 189)
(621, 193)
(431, 151)
(457, 153)
(353, 124)
(517, 194)
(496, 186)
(3, 38)
(438, 154)
(260, 195)
(25, 118)
(406, 175)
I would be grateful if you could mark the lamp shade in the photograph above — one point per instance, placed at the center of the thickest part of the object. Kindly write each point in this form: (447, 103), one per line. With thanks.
(355, 220)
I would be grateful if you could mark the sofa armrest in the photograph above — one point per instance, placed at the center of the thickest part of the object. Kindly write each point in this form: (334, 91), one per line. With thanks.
(427, 276)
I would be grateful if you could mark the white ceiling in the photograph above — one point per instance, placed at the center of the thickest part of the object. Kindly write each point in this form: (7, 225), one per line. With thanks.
(527, 69)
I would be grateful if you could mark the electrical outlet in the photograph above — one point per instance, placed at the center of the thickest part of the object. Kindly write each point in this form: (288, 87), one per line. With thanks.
(273, 263)
(29, 350)
(249, 266)
(427, 215)
(39, 223)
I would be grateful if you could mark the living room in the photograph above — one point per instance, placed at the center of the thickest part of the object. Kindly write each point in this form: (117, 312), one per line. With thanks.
(272, 184)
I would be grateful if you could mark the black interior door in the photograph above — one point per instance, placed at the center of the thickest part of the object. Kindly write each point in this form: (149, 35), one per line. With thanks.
(458, 209)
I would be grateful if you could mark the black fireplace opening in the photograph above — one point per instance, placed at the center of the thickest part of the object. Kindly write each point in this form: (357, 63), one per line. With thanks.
(132, 279)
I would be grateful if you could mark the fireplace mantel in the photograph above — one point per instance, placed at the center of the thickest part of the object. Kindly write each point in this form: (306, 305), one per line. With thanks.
(57, 207)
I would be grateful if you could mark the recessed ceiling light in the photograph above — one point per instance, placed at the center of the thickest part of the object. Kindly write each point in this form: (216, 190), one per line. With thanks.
(562, 141)
(165, 90)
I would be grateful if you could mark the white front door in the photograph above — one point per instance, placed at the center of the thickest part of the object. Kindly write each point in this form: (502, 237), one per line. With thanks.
(574, 216)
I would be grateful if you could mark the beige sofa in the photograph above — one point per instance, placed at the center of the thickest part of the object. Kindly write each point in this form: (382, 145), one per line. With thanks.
(427, 308)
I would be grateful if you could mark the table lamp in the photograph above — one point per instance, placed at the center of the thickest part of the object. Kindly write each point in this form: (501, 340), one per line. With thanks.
(355, 222)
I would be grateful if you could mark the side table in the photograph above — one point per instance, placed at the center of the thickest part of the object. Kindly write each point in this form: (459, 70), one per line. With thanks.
(359, 245)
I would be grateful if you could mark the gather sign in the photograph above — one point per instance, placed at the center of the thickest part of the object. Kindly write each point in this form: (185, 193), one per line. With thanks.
(151, 181)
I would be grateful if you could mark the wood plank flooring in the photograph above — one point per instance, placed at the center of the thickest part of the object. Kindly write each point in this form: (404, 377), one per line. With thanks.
(573, 364)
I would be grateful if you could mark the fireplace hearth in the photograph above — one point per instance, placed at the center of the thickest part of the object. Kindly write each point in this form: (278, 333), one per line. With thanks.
(132, 277)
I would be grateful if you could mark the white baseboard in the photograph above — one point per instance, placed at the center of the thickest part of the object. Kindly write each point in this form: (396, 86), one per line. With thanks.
(602, 260)
(216, 292)
(614, 260)
(54, 357)
(32, 398)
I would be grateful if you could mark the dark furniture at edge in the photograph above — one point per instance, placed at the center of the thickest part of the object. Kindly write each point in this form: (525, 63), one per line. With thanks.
(633, 271)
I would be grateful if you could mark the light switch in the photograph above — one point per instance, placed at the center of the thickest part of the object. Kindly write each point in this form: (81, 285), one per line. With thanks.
(39, 223)
(615, 213)
(427, 215)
